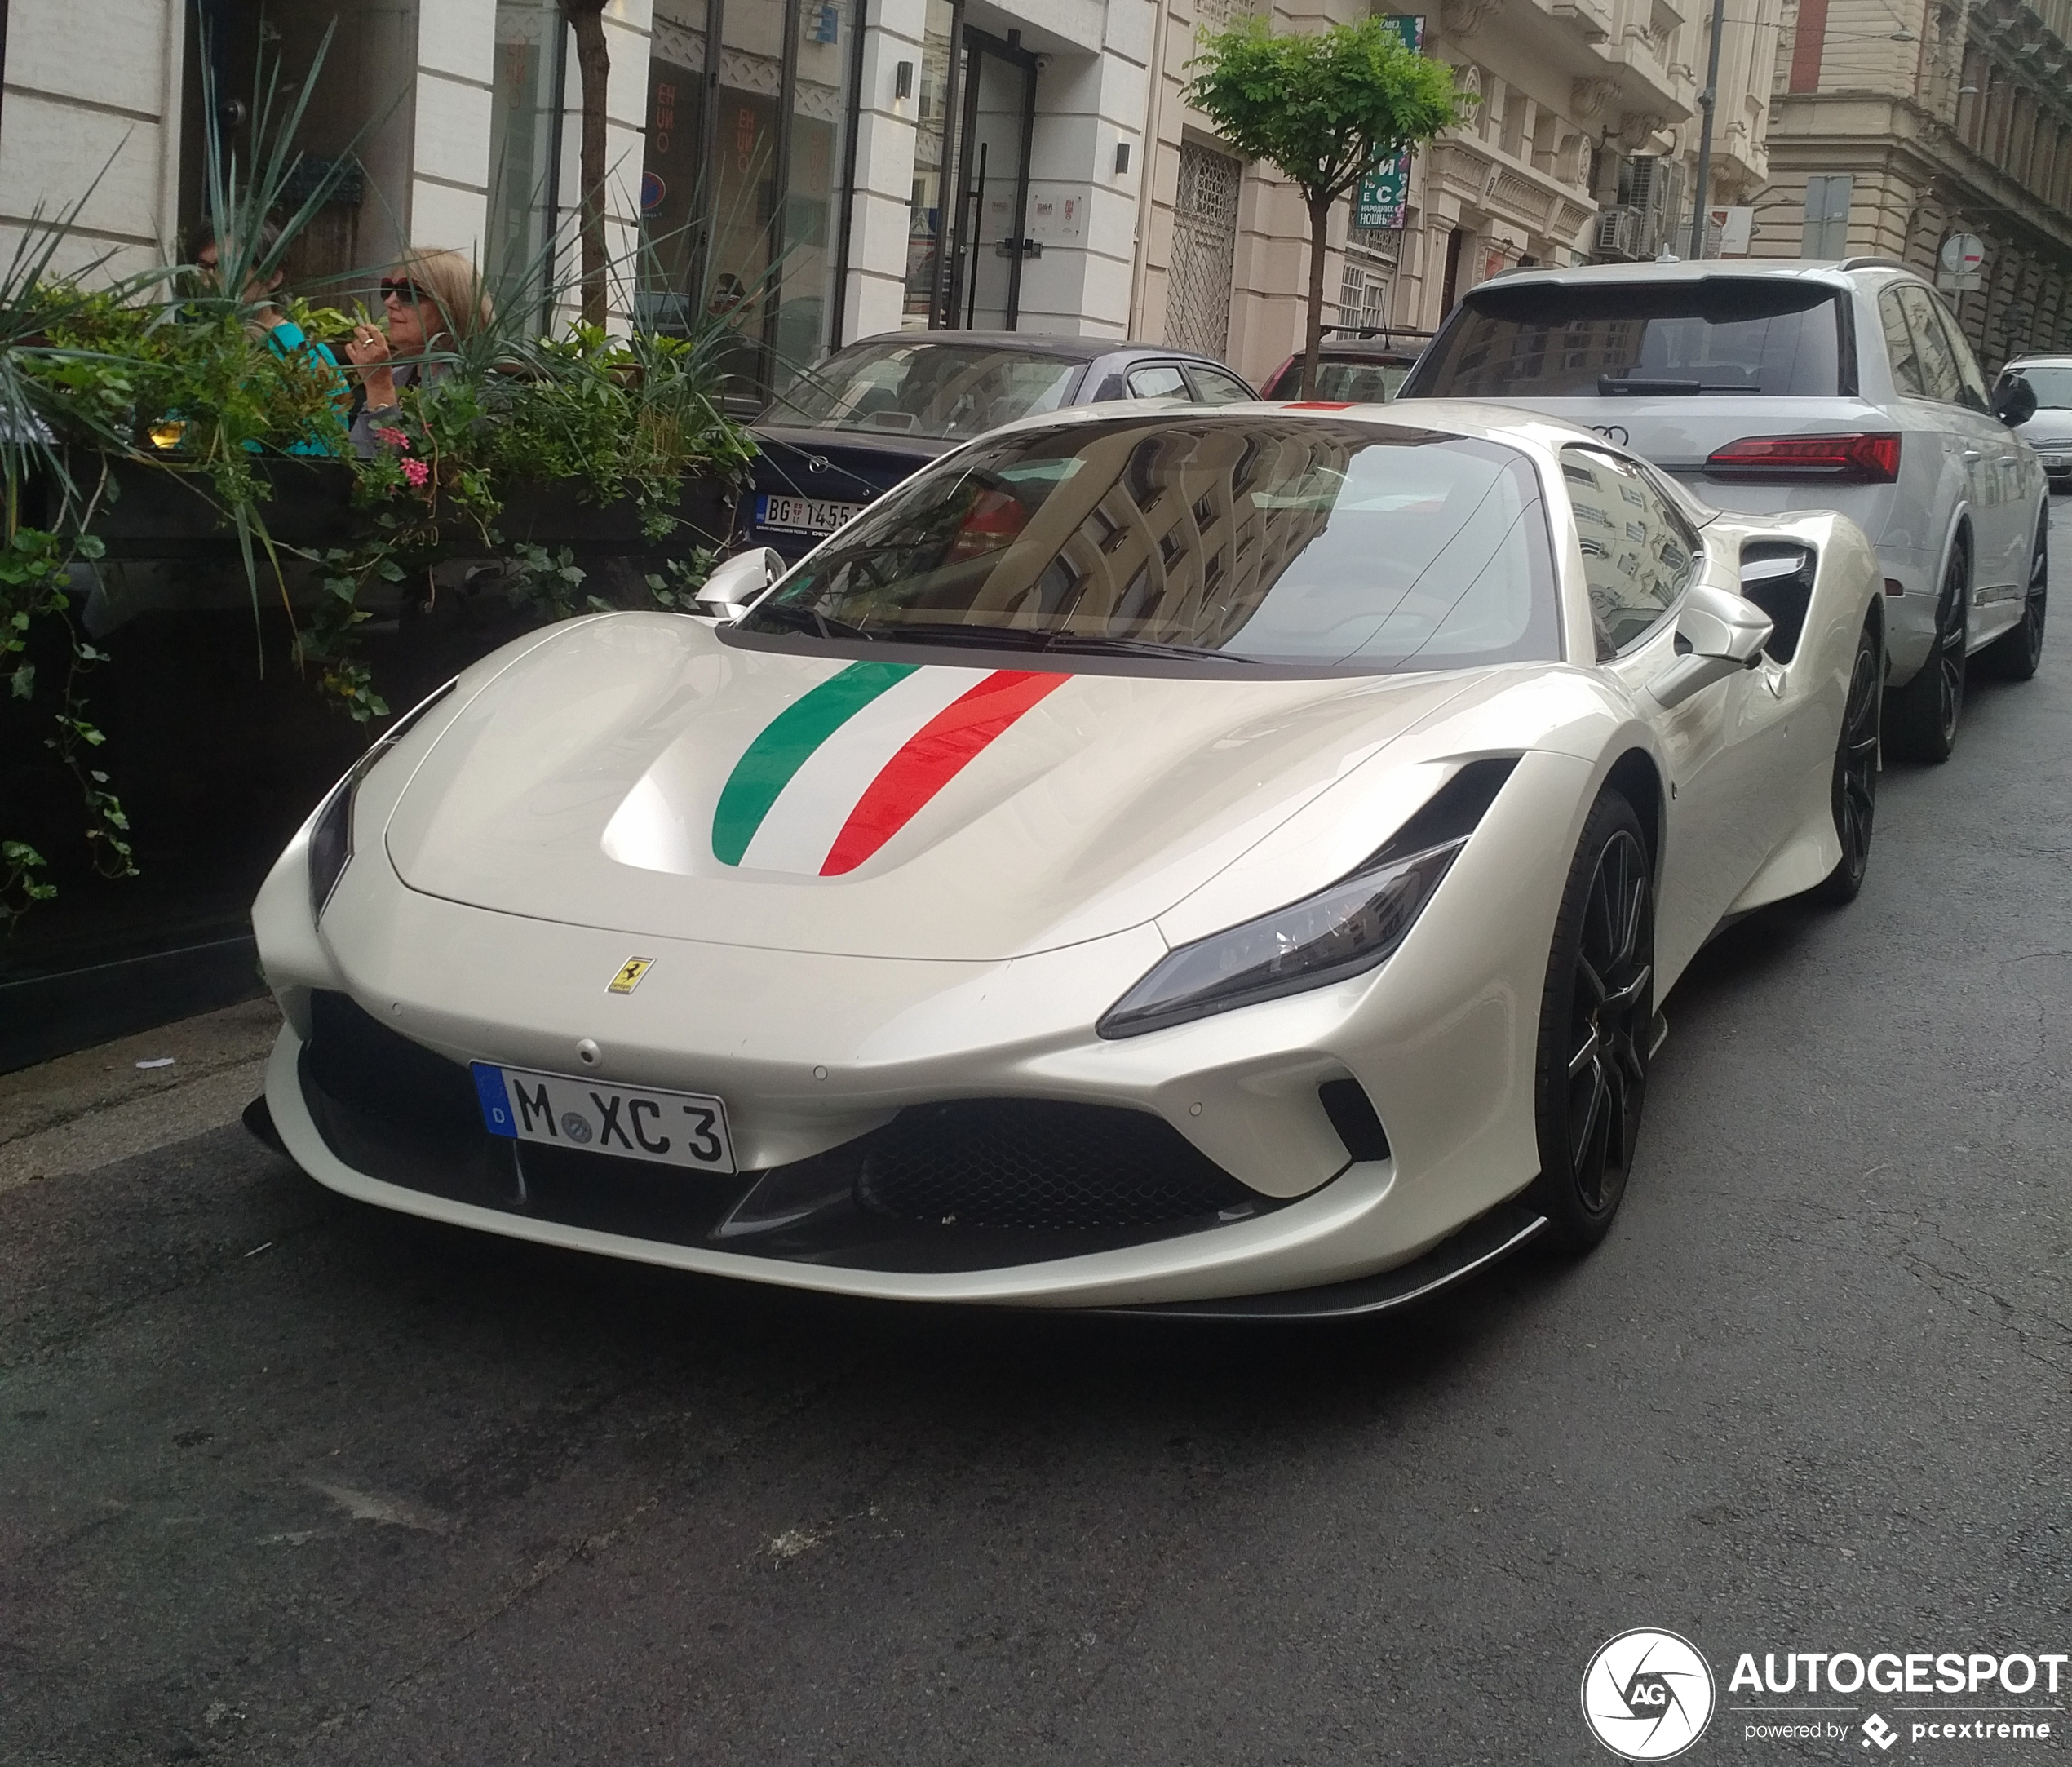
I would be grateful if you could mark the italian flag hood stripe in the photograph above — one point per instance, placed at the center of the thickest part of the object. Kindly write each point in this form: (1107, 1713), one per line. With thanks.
(842, 769)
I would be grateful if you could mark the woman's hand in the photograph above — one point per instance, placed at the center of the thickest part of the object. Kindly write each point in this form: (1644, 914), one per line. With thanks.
(368, 352)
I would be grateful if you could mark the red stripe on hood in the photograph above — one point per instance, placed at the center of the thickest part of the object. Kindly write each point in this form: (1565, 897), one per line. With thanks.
(931, 758)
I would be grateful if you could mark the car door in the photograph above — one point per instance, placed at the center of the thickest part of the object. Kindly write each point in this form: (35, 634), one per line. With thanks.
(1722, 745)
(2019, 482)
(1986, 443)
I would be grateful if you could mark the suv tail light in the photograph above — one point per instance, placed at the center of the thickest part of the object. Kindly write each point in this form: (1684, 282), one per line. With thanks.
(1856, 459)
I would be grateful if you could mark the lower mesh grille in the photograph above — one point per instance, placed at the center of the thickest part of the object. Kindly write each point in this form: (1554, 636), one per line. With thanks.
(976, 1184)
(1015, 1162)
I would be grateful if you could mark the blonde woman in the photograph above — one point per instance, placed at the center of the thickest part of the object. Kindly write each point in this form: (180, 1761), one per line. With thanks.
(433, 300)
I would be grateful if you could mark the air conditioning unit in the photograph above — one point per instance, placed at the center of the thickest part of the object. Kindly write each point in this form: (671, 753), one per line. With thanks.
(1615, 233)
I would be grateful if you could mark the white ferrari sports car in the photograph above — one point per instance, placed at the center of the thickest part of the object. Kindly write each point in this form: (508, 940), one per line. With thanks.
(1219, 861)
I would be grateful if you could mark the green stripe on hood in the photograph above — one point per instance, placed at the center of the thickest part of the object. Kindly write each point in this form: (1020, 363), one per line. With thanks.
(786, 741)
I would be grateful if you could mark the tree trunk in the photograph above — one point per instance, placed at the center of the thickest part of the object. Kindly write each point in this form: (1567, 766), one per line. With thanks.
(594, 64)
(1320, 221)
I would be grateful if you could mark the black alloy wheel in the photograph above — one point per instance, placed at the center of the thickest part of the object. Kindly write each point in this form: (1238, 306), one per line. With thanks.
(1595, 1027)
(1855, 790)
(1925, 713)
(2015, 655)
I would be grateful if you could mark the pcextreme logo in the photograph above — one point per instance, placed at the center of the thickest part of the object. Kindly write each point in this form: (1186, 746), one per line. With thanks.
(1647, 1695)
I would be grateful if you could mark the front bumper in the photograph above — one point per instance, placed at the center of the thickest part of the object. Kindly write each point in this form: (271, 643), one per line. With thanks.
(815, 1055)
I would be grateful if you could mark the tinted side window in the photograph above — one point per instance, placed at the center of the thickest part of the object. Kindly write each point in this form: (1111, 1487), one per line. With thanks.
(1161, 380)
(1213, 387)
(1637, 556)
(1899, 346)
(1939, 370)
(1969, 375)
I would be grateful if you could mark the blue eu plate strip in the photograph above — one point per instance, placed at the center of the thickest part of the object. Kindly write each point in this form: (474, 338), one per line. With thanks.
(496, 1102)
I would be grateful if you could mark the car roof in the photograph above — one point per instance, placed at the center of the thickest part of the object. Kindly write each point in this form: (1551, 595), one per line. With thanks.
(2042, 359)
(1477, 419)
(1834, 271)
(1068, 348)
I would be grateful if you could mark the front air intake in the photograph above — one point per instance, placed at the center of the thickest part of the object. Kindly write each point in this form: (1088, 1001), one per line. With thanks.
(1034, 1163)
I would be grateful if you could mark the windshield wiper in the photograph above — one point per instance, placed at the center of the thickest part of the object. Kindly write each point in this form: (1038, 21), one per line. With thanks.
(1616, 386)
(1036, 638)
(787, 616)
(1138, 647)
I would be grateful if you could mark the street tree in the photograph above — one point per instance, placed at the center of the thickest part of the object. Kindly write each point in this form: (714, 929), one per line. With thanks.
(1324, 108)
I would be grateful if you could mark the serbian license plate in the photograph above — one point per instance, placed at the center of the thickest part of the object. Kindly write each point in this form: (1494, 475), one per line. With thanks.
(676, 1128)
(803, 514)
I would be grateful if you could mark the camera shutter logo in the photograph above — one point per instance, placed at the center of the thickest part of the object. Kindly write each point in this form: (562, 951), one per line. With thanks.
(1647, 1695)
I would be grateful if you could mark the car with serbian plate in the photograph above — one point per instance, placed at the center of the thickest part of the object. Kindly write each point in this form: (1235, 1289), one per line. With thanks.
(843, 432)
(1217, 860)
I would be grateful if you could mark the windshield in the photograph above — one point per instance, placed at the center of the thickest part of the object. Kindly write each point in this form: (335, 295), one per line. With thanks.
(1245, 539)
(2053, 385)
(1725, 335)
(922, 388)
(1350, 382)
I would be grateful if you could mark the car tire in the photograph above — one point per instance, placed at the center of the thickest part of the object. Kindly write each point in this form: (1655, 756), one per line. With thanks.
(1921, 717)
(1854, 792)
(2015, 655)
(1596, 1023)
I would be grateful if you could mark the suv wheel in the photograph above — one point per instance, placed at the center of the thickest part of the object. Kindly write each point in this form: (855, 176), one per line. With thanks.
(1921, 717)
(2014, 655)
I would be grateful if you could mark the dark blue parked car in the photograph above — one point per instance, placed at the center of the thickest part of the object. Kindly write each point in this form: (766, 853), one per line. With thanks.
(844, 433)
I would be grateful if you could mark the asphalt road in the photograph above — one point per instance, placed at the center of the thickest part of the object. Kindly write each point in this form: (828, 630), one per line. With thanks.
(285, 1480)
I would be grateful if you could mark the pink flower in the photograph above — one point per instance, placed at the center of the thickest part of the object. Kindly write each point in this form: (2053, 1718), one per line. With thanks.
(417, 472)
(395, 438)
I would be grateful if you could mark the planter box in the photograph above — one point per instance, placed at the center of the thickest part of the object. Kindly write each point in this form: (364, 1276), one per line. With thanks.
(555, 516)
(156, 514)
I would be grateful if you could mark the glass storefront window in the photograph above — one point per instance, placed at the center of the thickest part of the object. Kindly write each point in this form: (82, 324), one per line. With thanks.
(673, 187)
(927, 214)
(517, 258)
(822, 99)
(747, 99)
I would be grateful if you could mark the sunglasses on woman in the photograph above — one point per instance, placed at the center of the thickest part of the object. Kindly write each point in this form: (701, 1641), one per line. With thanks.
(407, 293)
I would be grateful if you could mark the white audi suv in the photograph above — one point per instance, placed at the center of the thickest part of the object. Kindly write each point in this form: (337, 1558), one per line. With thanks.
(1784, 385)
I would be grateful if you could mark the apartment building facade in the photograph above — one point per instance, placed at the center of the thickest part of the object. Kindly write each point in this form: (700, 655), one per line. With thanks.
(1900, 126)
(815, 171)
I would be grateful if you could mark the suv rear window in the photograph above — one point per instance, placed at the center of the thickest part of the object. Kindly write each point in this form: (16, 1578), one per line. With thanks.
(1725, 335)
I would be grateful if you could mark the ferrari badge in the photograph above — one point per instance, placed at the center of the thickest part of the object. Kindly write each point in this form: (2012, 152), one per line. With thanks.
(630, 973)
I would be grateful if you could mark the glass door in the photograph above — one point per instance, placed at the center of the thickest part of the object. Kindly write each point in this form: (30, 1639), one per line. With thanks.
(988, 239)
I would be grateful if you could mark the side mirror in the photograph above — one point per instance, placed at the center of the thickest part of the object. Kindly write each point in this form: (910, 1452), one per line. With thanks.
(737, 584)
(2014, 400)
(1718, 634)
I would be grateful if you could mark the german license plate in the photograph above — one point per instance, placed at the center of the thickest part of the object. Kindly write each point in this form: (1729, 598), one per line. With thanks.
(803, 514)
(675, 1128)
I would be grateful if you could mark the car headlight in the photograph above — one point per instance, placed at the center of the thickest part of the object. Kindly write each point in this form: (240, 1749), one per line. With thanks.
(331, 836)
(1351, 926)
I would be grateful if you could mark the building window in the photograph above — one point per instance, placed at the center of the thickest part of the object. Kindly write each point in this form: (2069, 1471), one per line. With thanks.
(1363, 298)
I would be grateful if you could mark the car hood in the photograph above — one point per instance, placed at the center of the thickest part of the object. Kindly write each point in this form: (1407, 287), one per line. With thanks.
(637, 773)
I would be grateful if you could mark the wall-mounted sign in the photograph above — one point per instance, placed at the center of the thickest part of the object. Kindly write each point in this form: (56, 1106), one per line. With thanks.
(1962, 259)
(1727, 232)
(1383, 195)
